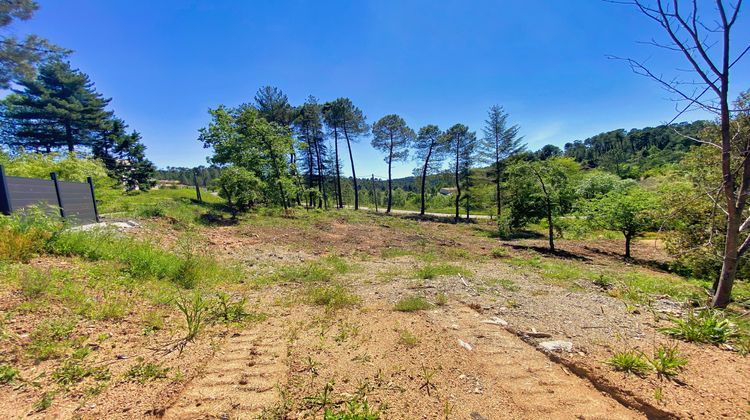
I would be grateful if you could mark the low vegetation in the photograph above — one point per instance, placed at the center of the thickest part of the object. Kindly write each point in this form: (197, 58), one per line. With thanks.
(412, 304)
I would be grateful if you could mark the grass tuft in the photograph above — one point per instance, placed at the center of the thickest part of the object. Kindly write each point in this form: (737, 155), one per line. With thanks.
(667, 361)
(412, 303)
(429, 272)
(333, 296)
(630, 361)
(706, 326)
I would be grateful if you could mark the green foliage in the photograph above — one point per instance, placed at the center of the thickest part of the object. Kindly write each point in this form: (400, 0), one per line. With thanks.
(541, 189)
(240, 187)
(243, 138)
(7, 373)
(194, 309)
(630, 211)
(24, 236)
(73, 371)
(45, 402)
(667, 361)
(68, 167)
(57, 108)
(706, 326)
(19, 58)
(143, 371)
(50, 339)
(412, 304)
(630, 361)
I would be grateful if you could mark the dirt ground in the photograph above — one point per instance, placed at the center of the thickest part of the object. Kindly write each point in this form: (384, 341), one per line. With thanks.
(473, 355)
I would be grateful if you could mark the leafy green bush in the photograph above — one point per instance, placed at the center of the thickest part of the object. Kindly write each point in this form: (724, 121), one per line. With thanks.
(69, 167)
(707, 326)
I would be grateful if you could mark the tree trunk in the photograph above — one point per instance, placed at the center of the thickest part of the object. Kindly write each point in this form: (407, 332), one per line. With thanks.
(424, 176)
(390, 186)
(723, 287)
(339, 199)
(354, 173)
(321, 182)
(69, 138)
(458, 184)
(497, 175)
(551, 228)
(628, 237)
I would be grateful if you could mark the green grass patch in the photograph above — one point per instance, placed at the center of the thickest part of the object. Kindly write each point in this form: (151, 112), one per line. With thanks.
(407, 338)
(7, 373)
(412, 303)
(51, 339)
(335, 296)
(143, 372)
(317, 271)
(630, 361)
(432, 271)
(506, 284)
(706, 326)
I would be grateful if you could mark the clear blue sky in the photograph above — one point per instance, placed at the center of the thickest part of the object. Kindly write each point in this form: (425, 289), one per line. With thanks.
(166, 62)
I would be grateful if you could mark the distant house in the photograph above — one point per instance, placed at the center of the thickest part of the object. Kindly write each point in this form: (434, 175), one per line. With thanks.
(447, 191)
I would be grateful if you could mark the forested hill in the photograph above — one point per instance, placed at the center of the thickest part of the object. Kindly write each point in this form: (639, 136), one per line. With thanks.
(635, 153)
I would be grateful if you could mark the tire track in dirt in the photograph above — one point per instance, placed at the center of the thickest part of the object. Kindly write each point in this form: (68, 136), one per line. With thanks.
(240, 381)
(537, 386)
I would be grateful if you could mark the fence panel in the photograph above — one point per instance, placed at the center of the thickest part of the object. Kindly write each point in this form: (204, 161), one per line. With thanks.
(73, 200)
(77, 201)
(24, 192)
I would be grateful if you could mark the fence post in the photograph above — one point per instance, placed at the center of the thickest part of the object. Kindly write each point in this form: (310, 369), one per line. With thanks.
(5, 206)
(197, 187)
(93, 197)
(53, 175)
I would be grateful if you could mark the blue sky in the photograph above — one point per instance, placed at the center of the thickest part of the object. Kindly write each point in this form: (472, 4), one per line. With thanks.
(164, 63)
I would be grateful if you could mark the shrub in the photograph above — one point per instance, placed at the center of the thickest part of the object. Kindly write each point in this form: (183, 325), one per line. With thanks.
(412, 303)
(23, 236)
(629, 361)
(707, 326)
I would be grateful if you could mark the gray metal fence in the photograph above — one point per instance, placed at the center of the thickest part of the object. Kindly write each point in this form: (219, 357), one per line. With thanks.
(74, 201)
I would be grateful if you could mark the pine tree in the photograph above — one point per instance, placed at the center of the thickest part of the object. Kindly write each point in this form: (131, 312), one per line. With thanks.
(431, 148)
(58, 108)
(392, 136)
(499, 143)
(462, 146)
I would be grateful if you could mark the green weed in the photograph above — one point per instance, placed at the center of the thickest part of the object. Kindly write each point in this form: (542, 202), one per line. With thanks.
(706, 326)
(194, 309)
(143, 371)
(408, 339)
(412, 303)
(667, 361)
(630, 361)
(334, 296)
(50, 339)
(429, 272)
(7, 373)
